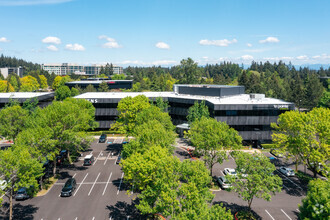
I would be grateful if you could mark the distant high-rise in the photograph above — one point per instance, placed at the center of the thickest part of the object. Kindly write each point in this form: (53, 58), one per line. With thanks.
(67, 68)
(15, 70)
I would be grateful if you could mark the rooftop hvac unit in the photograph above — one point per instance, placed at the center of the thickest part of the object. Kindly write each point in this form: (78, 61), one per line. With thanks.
(256, 96)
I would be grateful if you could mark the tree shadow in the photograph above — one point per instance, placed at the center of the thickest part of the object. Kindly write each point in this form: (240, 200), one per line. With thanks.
(114, 148)
(233, 207)
(185, 154)
(121, 210)
(123, 186)
(22, 212)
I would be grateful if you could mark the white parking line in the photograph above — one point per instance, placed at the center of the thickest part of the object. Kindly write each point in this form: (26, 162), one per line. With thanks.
(93, 218)
(76, 218)
(286, 214)
(120, 183)
(80, 185)
(93, 184)
(269, 215)
(107, 158)
(74, 175)
(97, 157)
(107, 184)
(290, 180)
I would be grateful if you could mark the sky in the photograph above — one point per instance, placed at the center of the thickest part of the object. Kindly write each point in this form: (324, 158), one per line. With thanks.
(163, 32)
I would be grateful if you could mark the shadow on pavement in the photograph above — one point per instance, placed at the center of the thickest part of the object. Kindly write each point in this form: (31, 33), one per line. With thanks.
(123, 210)
(235, 208)
(114, 148)
(183, 153)
(19, 211)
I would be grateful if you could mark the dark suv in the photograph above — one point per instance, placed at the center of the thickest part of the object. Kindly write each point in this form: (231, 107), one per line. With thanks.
(69, 187)
(103, 138)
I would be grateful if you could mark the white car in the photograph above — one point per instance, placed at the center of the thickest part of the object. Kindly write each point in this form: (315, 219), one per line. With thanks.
(287, 171)
(3, 184)
(230, 171)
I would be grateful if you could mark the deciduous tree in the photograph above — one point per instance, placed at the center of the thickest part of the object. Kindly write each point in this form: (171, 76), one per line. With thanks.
(29, 84)
(316, 205)
(197, 111)
(255, 177)
(213, 139)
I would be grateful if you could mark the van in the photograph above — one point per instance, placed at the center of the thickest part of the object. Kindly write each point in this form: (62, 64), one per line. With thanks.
(69, 187)
(89, 159)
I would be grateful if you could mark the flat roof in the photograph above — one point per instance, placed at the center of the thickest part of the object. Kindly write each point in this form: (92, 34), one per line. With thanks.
(96, 81)
(243, 99)
(23, 95)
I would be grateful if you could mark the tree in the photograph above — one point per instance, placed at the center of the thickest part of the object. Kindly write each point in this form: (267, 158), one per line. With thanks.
(254, 177)
(118, 77)
(90, 88)
(18, 169)
(188, 72)
(128, 108)
(68, 121)
(197, 111)
(213, 139)
(14, 80)
(29, 84)
(43, 82)
(305, 136)
(74, 92)
(60, 81)
(30, 104)
(103, 87)
(314, 90)
(149, 134)
(5, 86)
(316, 205)
(12, 121)
(161, 104)
(62, 92)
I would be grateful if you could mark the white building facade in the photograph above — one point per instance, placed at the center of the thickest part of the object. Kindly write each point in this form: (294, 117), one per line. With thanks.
(67, 68)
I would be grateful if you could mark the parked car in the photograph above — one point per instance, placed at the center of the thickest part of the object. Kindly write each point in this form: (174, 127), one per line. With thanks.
(223, 182)
(69, 187)
(22, 194)
(103, 138)
(3, 184)
(118, 160)
(89, 160)
(230, 171)
(287, 171)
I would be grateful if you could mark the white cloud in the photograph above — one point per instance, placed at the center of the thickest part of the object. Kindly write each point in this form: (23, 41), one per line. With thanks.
(112, 43)
(162, 45)
(4, 40)
(75, 47)
(219, 43)
(270, 40)
(52, 48)
(249, 45)
(0, 49)
(322, 56)
(302, 57)
(247, 57)
(31, 2)
(51, 40)
(164, 62)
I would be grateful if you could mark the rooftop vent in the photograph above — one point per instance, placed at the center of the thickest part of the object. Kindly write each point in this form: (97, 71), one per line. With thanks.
(256, 96)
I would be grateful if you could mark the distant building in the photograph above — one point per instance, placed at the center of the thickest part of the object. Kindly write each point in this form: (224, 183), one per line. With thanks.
(112, 84)
(67, 68)
(250, 114)
(8, 70)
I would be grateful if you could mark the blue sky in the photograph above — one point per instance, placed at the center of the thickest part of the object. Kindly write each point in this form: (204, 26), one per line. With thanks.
(163, 32)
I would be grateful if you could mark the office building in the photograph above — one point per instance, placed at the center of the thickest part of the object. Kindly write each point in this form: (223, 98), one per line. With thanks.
(15, 70)
(68, 68)
(250, 114)
(112, 84)
(44, 98)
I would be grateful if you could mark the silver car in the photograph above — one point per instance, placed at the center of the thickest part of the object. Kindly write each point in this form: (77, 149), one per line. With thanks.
(223, 182)
(287, 171)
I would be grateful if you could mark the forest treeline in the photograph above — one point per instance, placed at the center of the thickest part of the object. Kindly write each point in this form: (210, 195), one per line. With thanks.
(305, 87)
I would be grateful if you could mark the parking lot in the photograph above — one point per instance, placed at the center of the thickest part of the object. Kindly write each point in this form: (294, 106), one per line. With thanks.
(283, 205)
(101, 193)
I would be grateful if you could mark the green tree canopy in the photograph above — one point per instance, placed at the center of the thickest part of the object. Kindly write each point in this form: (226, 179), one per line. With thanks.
(254, 177)
(18, 169)
(197, 111)
(62, 92)
(12, 121)
(305, 136)
(103, 87)
(43, 82)
(316, 205)
(188, 72)
(213, 139)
